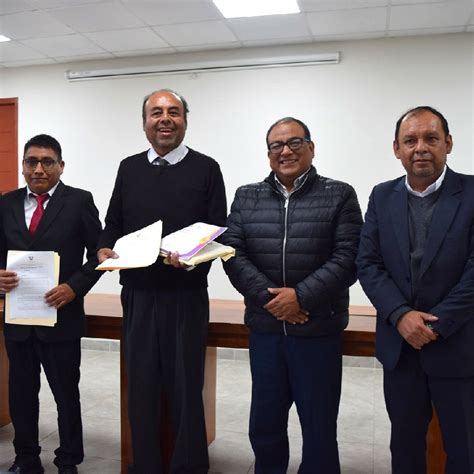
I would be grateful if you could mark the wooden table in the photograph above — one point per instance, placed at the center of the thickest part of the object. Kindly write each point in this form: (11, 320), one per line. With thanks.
(226, 329)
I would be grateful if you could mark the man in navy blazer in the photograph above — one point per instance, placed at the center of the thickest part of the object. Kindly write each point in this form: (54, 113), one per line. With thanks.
(69, 225)
(416, 264)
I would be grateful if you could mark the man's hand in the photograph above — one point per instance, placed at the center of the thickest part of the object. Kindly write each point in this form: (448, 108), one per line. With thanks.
(59, 296)
(412, 327)
(105, 253)
(173, 259)
(8, 281)
(285, 307)
(296, 318)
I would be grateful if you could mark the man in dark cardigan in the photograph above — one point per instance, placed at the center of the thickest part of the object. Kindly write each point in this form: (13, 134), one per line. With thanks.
(166, 307)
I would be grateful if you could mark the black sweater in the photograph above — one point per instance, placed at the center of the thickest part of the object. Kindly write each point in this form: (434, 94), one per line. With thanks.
(182, 194)
(420, 212)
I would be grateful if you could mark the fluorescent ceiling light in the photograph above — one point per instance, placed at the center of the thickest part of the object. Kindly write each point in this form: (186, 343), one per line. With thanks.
(241, 8)
(4, 38)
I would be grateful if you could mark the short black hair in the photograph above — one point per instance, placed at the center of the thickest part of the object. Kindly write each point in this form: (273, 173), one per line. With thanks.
(44, 141)
(420, 109)
(305, 128)
(179, 96)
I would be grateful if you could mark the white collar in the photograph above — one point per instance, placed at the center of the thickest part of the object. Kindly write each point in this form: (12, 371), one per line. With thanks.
(173, 157)
(299, 181)
(29, 192)
(433, 187)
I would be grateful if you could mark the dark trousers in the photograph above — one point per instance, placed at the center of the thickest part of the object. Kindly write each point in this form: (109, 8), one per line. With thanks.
(306, 371)
(61, 362)
(165, 334)
(409, 395)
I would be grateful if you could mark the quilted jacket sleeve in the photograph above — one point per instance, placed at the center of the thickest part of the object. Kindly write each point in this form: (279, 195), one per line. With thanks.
(243, 274)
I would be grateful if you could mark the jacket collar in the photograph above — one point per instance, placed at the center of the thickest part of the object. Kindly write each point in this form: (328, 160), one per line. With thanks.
(443, 214)
(55, 204)
(18, 210)
(311, 177)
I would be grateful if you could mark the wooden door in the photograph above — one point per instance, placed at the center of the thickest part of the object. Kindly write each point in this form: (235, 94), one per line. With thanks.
(8, 182)
(8, 145)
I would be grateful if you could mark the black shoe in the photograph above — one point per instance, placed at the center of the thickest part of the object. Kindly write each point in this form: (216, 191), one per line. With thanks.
(26, 470)
(14, 468)
(67, 470)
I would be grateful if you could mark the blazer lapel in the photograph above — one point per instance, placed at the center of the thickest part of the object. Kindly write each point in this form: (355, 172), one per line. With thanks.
(398, 208)
(55, 204)
(18, 211)
(443, 214)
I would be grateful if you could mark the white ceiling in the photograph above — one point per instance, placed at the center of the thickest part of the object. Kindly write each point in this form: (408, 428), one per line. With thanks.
(56, 31)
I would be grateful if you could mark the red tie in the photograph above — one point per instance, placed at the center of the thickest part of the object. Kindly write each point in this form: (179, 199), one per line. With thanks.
(39, 211)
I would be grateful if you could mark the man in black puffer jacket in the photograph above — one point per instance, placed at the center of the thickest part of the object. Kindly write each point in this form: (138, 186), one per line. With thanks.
(296, 236)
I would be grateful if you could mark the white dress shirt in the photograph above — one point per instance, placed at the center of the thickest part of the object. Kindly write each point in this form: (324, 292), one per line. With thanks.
(31, 203)
(173, 157)
(430, 189)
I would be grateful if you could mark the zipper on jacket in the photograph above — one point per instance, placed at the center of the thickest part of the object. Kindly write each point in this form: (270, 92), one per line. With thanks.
(287, 201)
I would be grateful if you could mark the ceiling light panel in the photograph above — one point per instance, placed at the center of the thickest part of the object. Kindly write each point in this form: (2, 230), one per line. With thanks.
(246, 8)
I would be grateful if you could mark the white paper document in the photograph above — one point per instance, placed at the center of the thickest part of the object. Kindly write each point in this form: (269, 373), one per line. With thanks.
(190, 240)
(138, 249)
(211, 251)
(38, 273)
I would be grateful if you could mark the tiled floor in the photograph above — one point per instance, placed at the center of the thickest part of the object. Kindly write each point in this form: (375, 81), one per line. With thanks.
(363, 424)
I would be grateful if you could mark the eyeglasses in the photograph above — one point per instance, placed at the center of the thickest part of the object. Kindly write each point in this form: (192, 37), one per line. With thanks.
(46, 164)
(294, 144)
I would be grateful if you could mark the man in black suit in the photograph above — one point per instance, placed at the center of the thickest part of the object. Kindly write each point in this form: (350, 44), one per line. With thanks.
(416, 264)
(48, 215)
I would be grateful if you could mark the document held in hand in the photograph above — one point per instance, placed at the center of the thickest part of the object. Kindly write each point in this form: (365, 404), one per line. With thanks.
(195, 244)
(138, 249)
(37, 272)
